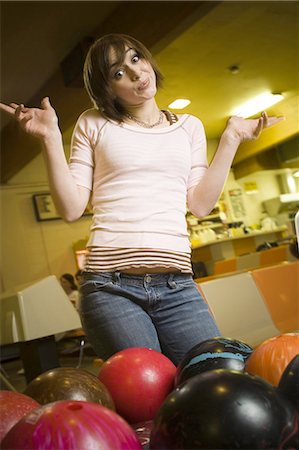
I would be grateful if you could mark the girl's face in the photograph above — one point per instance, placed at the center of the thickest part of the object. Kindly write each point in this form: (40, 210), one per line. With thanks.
(133, 81)
(65, 284)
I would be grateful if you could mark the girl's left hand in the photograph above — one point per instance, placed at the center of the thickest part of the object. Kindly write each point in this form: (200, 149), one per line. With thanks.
(249, 129)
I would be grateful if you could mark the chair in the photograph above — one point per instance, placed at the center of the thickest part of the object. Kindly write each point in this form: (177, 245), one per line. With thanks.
(249, 261)
(239, 308)
(279, 286)
(33, 315)
(81, 343)
(4, 378)
(225, 266)
(274, 255)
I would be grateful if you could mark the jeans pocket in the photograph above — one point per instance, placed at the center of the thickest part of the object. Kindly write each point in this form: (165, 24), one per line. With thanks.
(91, 286)
(185, 283)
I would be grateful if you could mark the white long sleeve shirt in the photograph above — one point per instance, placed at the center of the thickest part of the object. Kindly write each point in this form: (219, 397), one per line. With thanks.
(139, 178)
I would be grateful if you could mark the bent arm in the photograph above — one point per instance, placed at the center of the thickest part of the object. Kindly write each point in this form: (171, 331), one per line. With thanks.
(70, 199)
(203, 196)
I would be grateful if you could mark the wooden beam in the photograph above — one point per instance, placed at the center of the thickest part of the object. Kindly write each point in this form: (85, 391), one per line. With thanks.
(153, 23)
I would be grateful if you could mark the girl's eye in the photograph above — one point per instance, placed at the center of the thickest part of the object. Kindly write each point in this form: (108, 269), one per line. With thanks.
(118, 74)
(135, 58)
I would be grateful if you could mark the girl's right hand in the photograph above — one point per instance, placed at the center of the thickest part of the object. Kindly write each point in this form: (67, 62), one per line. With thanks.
(39, 122)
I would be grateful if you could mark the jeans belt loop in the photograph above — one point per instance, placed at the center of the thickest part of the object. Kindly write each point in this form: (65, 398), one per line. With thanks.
(116, 277)
(171, 283)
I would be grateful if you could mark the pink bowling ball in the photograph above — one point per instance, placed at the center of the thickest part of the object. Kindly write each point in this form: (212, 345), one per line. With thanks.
(71, 425)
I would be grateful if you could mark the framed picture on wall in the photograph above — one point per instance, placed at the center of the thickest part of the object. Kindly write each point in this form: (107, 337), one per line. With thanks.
(44, 207)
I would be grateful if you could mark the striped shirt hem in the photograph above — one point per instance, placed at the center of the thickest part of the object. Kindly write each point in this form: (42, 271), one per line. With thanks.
(100, 259)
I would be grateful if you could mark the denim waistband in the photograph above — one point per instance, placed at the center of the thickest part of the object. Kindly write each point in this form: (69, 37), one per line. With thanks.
(153, 278)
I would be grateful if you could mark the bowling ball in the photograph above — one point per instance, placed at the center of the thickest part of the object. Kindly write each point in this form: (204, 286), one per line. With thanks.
(71, 425)
(225, 409)
(66, 383)
(143, 432)
(272, 356)
(13, 406)
(212, 354)
(289, 382)
(138, 379)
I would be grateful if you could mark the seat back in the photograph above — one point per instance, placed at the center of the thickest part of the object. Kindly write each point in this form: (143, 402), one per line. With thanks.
(279, 286)
(249, 261)
(225, 266)
(274, 255)
(239, 309)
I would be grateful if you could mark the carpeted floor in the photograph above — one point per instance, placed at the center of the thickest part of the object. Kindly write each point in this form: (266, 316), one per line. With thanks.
(12, 372)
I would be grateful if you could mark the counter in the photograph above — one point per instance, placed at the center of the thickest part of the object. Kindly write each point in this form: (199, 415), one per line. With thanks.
(236, 246)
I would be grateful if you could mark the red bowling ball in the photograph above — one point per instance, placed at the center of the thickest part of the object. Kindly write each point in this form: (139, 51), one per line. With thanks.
(138, 379)
(71, 425)
(13, 406)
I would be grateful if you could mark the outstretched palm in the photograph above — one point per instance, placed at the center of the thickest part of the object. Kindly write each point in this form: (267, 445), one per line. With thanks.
(249, 129)
(38, 122)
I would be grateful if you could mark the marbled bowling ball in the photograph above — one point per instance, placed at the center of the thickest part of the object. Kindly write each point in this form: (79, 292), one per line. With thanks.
(66, 383)
(71, 425)
(223, 409)
(212, 354)
(270, 358)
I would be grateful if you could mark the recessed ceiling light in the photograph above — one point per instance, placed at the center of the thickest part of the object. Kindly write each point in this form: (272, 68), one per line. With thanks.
(257, 104)
(234, 69)
(179, 103)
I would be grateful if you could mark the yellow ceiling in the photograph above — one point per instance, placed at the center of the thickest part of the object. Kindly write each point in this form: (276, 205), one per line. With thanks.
(260, 37)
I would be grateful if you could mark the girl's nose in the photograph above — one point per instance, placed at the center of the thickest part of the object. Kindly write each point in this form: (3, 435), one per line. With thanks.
(134, 73)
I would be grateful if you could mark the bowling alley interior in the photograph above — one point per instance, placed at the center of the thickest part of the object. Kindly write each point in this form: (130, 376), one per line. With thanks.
(223, 58)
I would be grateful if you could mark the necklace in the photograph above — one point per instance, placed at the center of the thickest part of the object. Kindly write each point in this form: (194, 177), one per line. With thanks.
(146, 124)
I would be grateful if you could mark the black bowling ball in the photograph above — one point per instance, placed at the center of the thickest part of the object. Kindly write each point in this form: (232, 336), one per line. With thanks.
(289, 382)
(224, 409)
(212, 354)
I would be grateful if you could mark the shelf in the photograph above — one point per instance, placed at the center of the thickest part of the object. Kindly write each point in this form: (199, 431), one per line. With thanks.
(253, 234)
(212, 225)
(210, 217)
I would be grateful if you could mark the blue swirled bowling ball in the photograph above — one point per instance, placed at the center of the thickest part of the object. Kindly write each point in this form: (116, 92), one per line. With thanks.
(225, 409)
(212, 354)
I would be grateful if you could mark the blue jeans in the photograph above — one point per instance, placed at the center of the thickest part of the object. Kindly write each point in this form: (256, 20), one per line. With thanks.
(165, 312)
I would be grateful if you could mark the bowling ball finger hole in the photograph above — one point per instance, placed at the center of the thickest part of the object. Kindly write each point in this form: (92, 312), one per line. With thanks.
(74, 407)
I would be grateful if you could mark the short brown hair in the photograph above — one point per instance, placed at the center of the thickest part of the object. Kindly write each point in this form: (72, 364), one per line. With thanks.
(96, 71)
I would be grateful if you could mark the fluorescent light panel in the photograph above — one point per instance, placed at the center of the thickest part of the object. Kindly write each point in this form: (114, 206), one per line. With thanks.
(179, 103)
(257, 104)
(292, 197)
